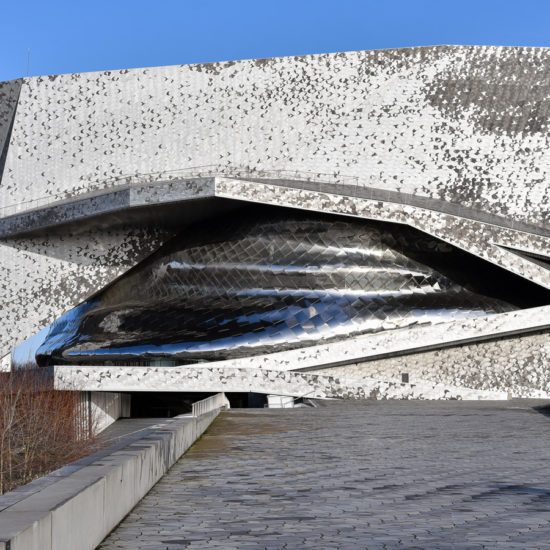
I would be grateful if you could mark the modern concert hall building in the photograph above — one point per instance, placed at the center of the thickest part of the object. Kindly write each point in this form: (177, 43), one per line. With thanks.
(368, 224)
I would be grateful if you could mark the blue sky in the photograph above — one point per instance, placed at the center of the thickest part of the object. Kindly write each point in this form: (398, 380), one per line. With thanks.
(78, 36)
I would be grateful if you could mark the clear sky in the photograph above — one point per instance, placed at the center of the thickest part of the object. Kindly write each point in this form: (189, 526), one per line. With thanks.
(77, 36)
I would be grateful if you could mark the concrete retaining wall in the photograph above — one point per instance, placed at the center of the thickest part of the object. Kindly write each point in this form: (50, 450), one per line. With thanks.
(107, 407)
(97, 410)
(90, 497)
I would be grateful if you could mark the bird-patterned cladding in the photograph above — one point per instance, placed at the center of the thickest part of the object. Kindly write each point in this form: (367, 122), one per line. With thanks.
(266, 282)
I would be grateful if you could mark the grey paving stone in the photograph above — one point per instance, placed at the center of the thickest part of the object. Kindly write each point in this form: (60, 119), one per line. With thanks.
(461, 475)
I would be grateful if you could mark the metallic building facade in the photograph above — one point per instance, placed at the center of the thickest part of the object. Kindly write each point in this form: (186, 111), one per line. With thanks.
(282, 280)
(424, 173)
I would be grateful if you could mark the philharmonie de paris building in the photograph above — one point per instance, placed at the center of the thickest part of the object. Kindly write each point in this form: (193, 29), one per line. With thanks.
(361, 225)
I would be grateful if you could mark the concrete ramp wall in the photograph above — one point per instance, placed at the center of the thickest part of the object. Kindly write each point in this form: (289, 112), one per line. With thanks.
(78, 505)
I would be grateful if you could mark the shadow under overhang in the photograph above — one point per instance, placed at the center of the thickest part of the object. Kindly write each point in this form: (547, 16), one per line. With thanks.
(170, 216)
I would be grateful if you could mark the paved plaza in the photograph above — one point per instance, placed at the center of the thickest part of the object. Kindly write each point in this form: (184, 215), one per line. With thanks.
(356, 474)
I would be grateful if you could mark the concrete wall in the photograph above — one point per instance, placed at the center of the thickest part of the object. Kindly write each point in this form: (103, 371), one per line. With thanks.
(98, 410)
(90, 497)
(106, 407)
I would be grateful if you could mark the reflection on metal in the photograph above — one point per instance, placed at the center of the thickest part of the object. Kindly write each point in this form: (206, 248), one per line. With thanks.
(267, 283)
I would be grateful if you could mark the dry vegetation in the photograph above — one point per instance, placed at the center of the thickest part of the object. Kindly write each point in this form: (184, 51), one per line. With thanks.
(41, 429)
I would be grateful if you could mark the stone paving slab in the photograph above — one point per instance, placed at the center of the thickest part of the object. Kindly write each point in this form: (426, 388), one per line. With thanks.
(76, 506)
(394, 474)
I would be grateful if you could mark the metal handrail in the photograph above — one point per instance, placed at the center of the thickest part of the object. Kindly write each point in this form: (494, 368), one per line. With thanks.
(315, 181)
(303, 395)
(146, 178)
(212, 403)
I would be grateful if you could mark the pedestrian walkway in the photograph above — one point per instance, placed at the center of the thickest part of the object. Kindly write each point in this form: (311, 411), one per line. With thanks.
(356, 474)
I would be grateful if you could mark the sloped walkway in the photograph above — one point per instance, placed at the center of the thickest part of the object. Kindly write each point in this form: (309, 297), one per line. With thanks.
(349, 475)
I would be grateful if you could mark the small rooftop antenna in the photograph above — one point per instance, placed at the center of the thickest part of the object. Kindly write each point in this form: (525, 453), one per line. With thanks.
(28, 60)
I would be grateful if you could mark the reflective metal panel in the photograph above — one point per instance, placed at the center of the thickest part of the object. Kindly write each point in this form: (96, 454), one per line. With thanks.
(262, 283)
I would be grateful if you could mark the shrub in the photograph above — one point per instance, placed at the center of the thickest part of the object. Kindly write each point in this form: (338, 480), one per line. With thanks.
(41, 429)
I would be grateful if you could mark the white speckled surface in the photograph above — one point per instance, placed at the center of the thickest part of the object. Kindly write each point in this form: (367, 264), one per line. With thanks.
(463, 124)
(231, 379)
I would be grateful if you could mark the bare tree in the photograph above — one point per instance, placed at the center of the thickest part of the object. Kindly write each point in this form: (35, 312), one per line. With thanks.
(41, 429)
